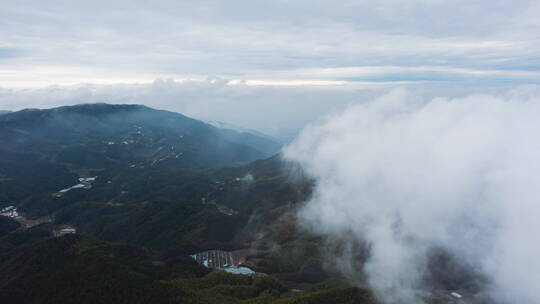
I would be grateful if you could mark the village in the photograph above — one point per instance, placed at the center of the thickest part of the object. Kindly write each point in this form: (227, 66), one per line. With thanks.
(26, 223)
(223, 260)
(10, 211)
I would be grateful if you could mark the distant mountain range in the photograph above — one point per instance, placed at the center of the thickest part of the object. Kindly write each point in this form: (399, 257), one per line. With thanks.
(2, 112)
(146, 127)
(228, 126)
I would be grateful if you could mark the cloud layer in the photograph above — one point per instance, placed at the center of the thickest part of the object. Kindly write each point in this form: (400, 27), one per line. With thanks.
(408, 176)
(61, 42)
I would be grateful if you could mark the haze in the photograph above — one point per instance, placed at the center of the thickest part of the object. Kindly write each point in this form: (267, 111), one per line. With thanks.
(243, 62)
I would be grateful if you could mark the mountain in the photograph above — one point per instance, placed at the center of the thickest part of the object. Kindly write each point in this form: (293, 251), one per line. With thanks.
(228, 126)
(2, 112)
(283, 136)
(250, 137)
(47, 149)
(90, 124)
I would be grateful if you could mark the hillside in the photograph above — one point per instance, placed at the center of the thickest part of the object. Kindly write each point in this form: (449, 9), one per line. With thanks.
(45, 150)
(183, 209)
(76, 269)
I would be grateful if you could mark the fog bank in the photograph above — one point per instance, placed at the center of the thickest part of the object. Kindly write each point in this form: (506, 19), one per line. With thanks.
(408, 176)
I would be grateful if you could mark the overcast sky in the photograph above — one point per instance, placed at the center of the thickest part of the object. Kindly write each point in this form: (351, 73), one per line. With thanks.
(295, 49)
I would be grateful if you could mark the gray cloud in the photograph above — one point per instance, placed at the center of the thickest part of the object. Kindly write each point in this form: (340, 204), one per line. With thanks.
(125, 41)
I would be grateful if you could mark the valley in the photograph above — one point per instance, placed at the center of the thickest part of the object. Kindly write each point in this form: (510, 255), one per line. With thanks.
(173, 194)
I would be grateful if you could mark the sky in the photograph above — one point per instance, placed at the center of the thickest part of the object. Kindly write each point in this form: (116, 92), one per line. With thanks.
(326, 52)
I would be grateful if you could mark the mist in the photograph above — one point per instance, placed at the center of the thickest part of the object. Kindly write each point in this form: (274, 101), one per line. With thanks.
(276, 111)
(409, 176)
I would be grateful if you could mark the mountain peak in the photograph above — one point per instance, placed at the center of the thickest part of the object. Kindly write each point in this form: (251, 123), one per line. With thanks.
(88, 109)
(94, 108)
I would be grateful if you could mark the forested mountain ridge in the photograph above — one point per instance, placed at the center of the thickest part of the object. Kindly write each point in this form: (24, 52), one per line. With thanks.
(45, 149)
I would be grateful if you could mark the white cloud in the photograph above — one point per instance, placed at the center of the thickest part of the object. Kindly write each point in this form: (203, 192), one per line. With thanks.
(408, 175)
